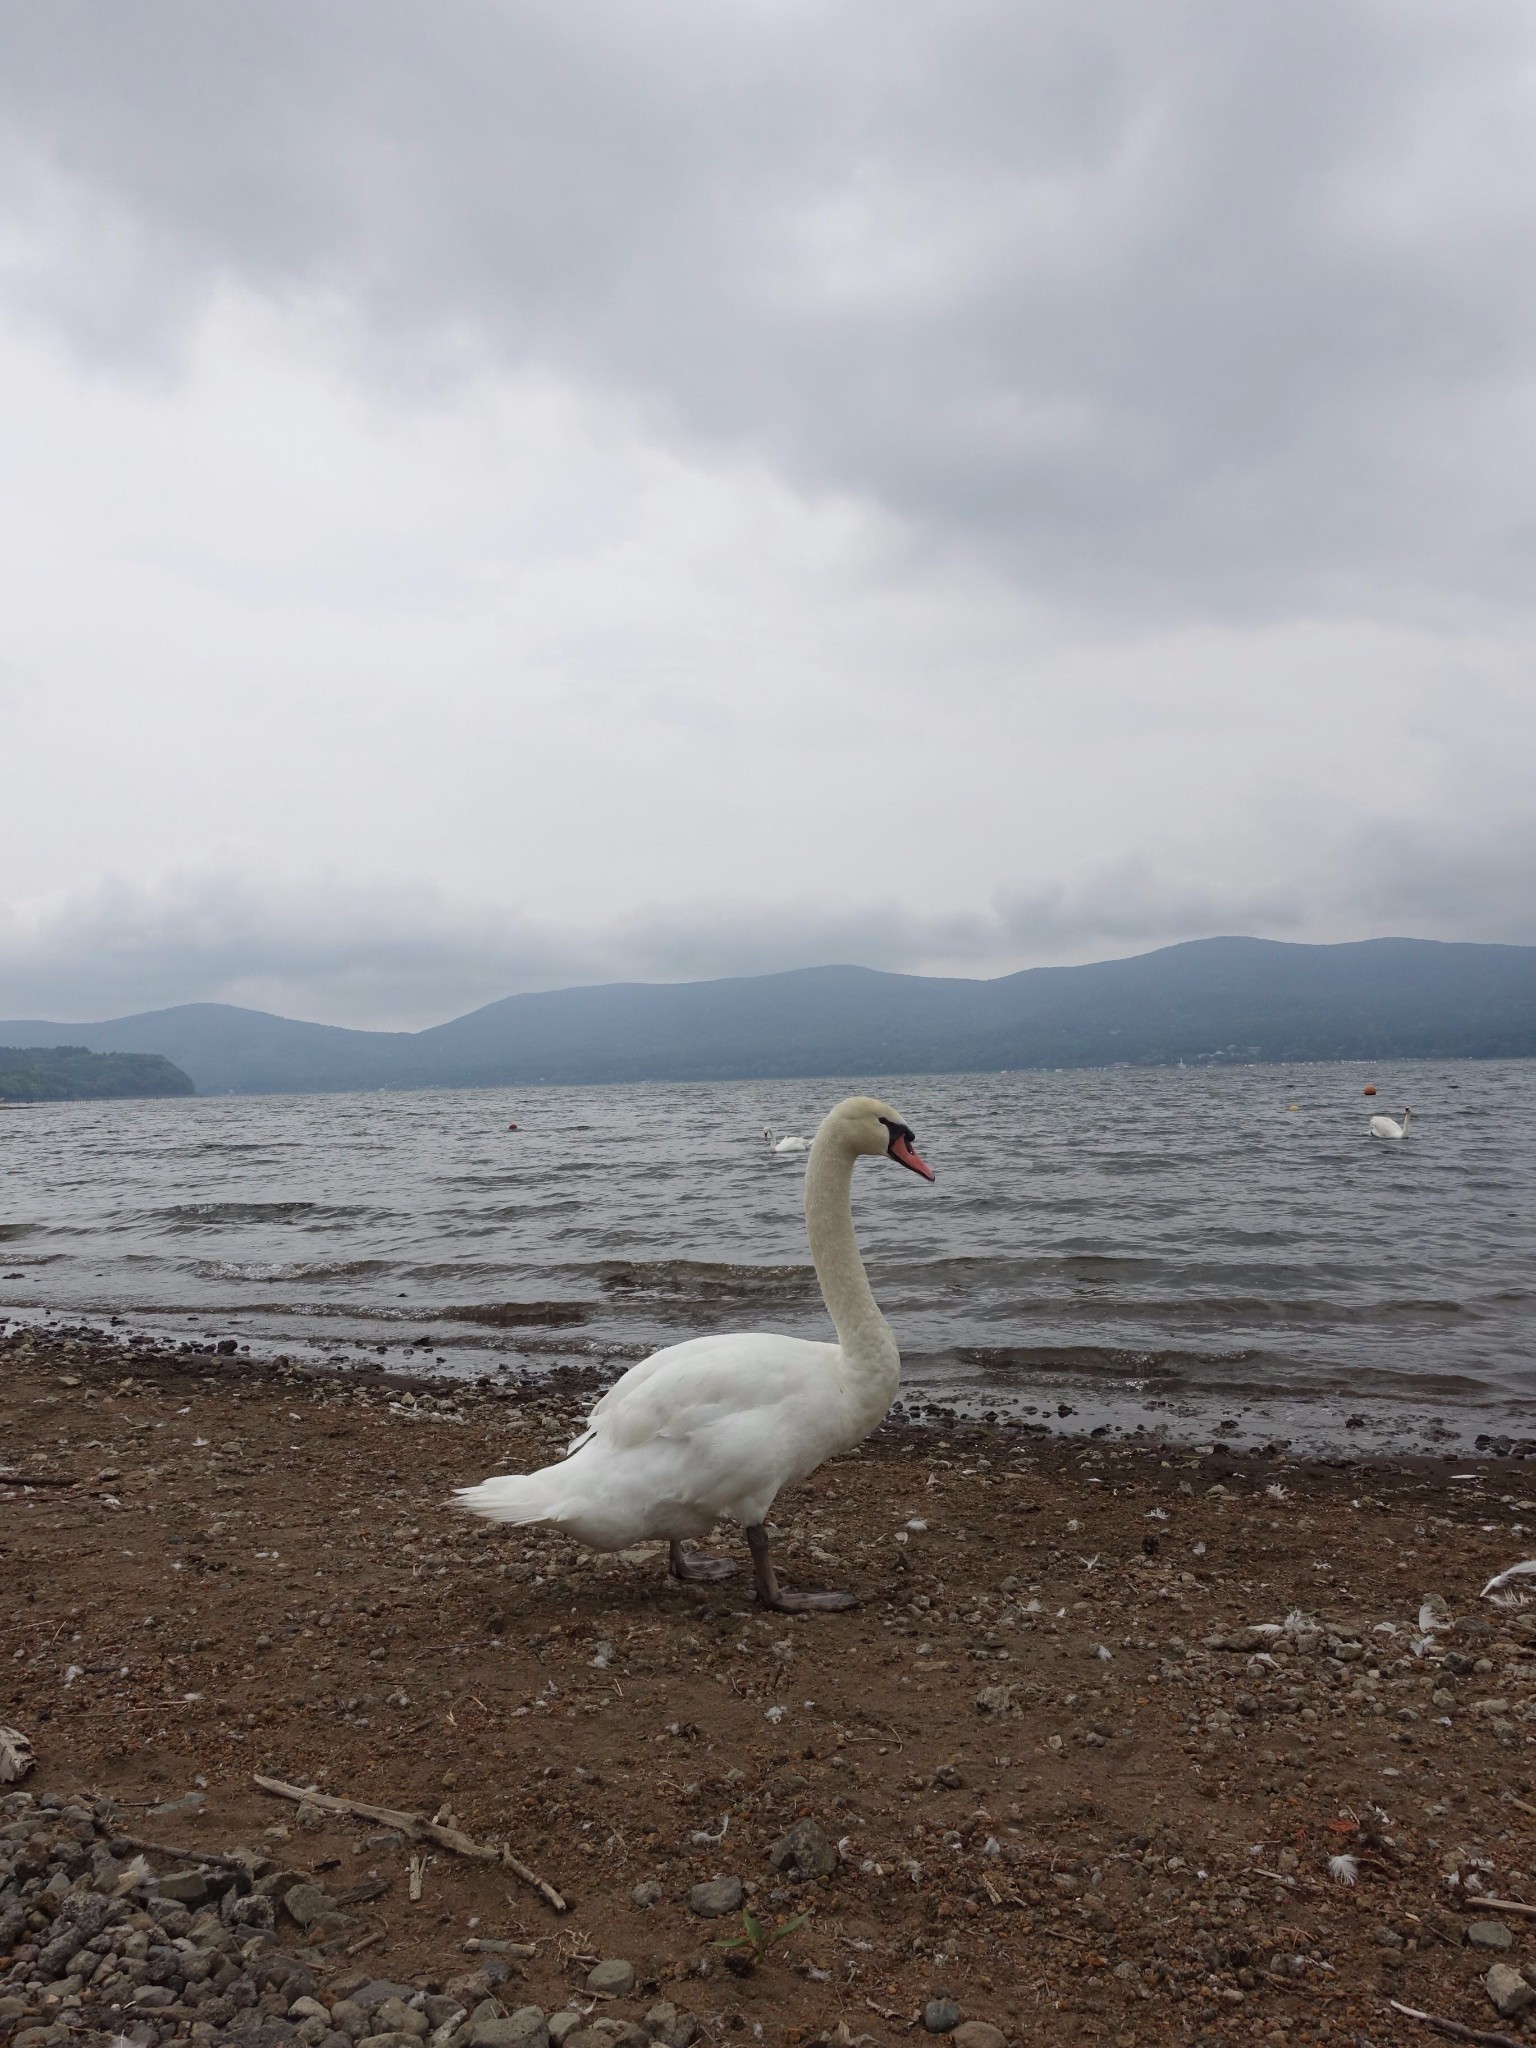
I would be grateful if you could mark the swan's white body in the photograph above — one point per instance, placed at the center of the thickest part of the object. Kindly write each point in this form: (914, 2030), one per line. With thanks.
(1389, 1127)
(787, 1144)
(714, 1427)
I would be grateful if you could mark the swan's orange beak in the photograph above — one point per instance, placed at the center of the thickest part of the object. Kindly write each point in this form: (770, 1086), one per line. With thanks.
(904, 1153)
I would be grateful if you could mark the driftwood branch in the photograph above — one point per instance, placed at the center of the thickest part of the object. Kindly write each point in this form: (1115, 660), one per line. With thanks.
(418, 1827)
(185, 1855)
(35, 1479)
(415, 1825)
(1481, 1903)
(546, 1891)
(1454, 2028)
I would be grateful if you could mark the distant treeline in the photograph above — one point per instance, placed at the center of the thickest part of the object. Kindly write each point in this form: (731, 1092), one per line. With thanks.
(68, 1073)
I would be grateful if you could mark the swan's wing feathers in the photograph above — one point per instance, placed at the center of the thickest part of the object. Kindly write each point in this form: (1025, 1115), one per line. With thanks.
(680, 1392)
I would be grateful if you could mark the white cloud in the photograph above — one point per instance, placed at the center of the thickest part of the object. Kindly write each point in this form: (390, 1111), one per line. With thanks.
(941, 488)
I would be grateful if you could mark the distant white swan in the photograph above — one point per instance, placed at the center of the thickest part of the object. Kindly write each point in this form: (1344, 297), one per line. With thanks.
(786, 1144)
(1388, 1127)
(714, 1427)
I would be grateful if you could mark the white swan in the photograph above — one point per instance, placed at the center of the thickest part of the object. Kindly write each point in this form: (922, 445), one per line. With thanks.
(1388, 1127)
(713, 1428)
(787, 1144)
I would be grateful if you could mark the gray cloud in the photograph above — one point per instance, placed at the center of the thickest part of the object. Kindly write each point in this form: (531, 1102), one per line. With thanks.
(1152, 303)
(405, 959)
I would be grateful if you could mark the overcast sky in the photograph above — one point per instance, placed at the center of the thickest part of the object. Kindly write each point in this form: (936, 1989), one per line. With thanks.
(499, 495)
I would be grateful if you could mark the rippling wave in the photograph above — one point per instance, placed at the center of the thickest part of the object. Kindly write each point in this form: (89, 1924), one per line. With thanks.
(1225, 1245)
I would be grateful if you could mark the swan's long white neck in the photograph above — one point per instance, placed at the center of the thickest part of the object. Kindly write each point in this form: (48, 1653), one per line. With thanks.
(867, 1342)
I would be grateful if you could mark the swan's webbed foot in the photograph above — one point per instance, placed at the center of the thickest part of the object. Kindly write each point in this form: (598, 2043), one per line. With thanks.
(688, 1566)
(773, 1595)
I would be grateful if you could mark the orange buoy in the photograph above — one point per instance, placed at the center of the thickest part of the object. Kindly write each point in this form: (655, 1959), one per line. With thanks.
(1368, 1089)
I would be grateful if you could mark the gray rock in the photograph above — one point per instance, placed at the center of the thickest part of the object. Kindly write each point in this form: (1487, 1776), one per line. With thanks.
(720, 1896)
(1508, 1990)
(149, 1996)
(669, 2027)
(306, 1903)
(186, 1887)
(349, 2018)
(562, 2025)
(978, 2034)
(440, 2010)
(613, 1979)
(525, 2028)
(394, 2016)
(941, 2015)
(804, 1853)
(371, 1996)
(1489, 1934)
(646, 1894)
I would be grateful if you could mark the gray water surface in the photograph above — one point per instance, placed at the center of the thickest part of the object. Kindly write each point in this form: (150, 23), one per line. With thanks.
(1198, 1251)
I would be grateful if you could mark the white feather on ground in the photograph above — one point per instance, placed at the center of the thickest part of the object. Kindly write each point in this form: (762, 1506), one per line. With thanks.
(1344, 1869)
(16, 1757)
(1516, 1571)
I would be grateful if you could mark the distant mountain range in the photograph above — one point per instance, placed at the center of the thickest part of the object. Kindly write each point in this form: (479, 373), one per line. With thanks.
(1209, 1000)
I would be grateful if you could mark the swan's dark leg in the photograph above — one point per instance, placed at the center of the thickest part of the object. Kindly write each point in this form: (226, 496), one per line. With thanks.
(772, 1594)
(683, 1564)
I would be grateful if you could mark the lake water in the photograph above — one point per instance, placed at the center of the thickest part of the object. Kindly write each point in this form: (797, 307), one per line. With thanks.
(1195, 1251)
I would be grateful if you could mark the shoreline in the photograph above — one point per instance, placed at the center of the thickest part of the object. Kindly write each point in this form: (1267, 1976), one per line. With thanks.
(1061, 1409)
(1039, 1756)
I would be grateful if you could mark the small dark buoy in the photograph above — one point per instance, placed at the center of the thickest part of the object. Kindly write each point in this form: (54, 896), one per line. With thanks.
(1368, 1089)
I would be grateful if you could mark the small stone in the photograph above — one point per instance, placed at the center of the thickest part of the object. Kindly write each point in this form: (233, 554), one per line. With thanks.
(1508, 1990)
(305, 1903)
(941, 2015)
(613, 1979)
(394, 2016)
(186, 1887)
(440, 2010)
(562, 2025)
(720, 1896)
(978, 2034)
(669, 2027)
(804, 1852)
(371, 1996)
(525, 2028)
(149, 1996)
(646, 1894)
(994, 1699)
(1490, 1934)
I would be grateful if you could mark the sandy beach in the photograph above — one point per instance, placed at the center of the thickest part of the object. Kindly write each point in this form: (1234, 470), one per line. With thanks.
(1068, 1765)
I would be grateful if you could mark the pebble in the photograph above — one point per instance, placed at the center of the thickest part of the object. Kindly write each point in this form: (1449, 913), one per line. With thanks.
(613, 1979)
(978, 2034)
(941, 2015)
(1490, 1934)
(1508, 1990)
(804, 1853)
(669, 2027)
(525, 2028)
(720, 1896)
(646, 1894)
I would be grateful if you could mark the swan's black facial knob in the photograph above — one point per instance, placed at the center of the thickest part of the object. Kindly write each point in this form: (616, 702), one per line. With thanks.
(903, 1149)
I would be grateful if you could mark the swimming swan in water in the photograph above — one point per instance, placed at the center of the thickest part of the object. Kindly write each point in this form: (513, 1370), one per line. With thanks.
(787, 1144)
(714, 1427)
(1388, 1127)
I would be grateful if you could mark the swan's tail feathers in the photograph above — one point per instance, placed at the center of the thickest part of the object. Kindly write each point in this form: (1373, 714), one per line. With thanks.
(516, 1497)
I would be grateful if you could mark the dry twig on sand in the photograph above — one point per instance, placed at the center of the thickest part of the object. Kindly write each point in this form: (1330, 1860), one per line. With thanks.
(416, 1825)
(1454, 2028)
